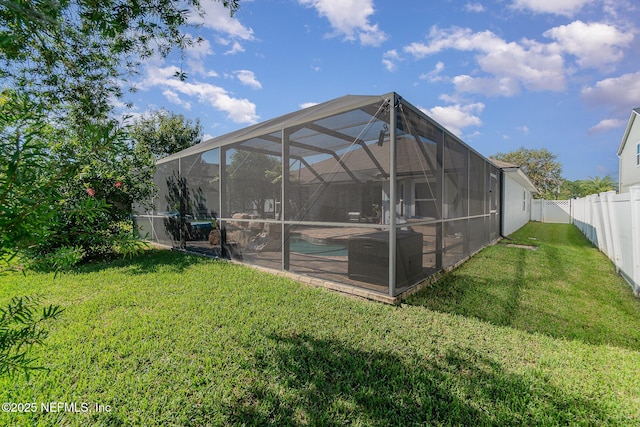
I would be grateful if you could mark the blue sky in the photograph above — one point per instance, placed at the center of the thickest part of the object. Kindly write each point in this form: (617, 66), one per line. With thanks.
(501, 74)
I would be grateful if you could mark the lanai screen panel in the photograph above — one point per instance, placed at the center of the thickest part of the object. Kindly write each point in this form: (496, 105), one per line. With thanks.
(478, 188)
(455, 201)
(165, 216)
(200, 204)
(418, 196)
(251, 181)
(338, 168)
(493, 198)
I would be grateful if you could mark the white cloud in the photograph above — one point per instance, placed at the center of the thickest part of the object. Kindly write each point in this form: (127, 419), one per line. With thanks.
(555, 7)
(501, 86)
(217, 18)
(619, 93)
(473, 135)
(175, 99)
(523, 129)
(620, 9)
(474, 7)
(390, 58)
(594, 44)
(433, 75)
(530, 64)
(236, 47)
(457, 117)
(315, 64)
(238, 110)
(350, 18)
(248, 78)
(607, 125)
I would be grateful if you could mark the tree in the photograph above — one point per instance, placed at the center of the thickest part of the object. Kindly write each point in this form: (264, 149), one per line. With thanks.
(68, 59)
(77, 53)
(598, 184)
(586, 187)
(27, 201)
(62, 179)
(541, 166)
(163, 133)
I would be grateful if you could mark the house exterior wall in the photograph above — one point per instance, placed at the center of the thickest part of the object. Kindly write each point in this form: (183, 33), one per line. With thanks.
(629, 169)
(517, 205)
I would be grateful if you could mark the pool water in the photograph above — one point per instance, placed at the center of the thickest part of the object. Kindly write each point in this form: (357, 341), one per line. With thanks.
(305, 247)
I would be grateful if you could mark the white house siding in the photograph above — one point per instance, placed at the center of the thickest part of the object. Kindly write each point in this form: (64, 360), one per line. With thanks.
(629, 171)
(516, 205)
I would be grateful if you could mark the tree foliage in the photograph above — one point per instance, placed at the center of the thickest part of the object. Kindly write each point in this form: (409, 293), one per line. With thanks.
(544, 171)
(68, 172)
(585, 187)
(72, 173)
(599, 184)
(27, 190)
(76, 53)
(21, 324)
(163, 133)
(541, 166)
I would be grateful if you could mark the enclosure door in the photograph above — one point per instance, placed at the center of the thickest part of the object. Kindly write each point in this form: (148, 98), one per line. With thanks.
(493, 206)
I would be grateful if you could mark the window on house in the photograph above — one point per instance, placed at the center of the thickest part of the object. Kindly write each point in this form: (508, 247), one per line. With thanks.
(524, 200)
(638, 154)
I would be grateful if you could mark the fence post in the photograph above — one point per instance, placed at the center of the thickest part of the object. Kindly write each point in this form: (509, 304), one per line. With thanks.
(597, 222)
(606, 224)
(593, 235)
(614, 230)
(611, 247)
(571, 208)
(634, 204)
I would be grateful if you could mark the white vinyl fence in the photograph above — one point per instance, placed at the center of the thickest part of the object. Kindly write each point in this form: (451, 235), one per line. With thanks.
(558, 211)
(612, 222)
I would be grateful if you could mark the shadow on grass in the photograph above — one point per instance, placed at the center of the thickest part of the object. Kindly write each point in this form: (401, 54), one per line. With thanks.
(148, 261)
(302, 380)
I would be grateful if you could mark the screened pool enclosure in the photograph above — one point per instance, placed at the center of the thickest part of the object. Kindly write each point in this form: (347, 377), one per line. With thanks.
(362, 191)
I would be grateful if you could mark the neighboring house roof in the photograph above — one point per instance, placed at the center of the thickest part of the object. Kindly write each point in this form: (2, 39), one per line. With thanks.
(516, 174)
(634, 113)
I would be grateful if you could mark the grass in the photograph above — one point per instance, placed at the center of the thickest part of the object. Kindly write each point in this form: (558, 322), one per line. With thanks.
(565, 289)
(513, 337)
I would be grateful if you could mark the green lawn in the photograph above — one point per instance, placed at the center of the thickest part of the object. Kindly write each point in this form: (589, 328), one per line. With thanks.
(513, 337)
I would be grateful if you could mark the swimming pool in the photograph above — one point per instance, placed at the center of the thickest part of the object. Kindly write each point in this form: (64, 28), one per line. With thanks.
(303, 246)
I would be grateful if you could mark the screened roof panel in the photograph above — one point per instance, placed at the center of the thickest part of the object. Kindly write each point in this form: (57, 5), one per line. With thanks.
(328, 110)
